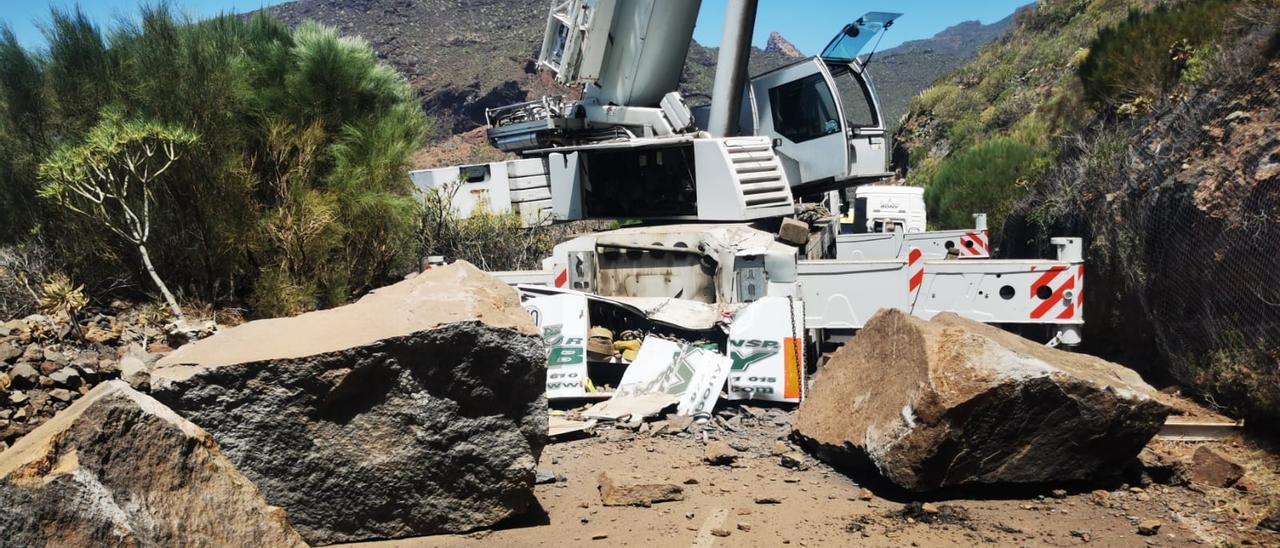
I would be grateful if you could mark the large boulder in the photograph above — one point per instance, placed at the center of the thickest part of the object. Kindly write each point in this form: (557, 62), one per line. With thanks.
(117, 468)
(419, 409)
(951, 401)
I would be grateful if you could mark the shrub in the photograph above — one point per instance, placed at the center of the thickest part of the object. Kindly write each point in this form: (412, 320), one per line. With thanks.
(487, 240)
(982, 179)
(1146, 54)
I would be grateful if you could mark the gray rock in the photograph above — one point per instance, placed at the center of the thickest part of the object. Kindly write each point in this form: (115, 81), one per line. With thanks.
(18, 397)
(417, 410)
(545, 476)
(135, 371)
(119, 469)
(56, 357)
(9, 352)
(61, 394)
(24, 375)
(66, 376)
(946, 402)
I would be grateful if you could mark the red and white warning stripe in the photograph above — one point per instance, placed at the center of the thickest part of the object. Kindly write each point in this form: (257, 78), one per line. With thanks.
(975, 244)
(915, 273)
(562, 278)
(1061, 282)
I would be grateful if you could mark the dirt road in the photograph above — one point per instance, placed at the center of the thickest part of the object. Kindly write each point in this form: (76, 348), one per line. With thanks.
(818, 506)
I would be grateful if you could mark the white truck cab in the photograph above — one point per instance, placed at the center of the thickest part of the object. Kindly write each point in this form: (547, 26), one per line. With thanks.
(885, 208)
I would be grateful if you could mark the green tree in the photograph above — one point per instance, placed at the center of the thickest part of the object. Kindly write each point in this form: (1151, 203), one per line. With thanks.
(111, 178)
(265, 101)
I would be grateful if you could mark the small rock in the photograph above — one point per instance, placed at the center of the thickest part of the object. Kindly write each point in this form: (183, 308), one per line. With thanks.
(56, 357)
(768, 500)
(49, 367)
(658, 427)
(719, 453)
(720, 532)
(1100, 497)
(929, 508)
(599, 536)
(779, 448)
(866, 495)
(99, 335)
(612, 494)
(66, 376)
(1210, 467)
(794, 461)
(744, 527)
(1149, 528)
(8, 352)
(1059, 493)
(135, 371)
(1247, 485)
(678, 423)
(543, 476)
(61, 394)
(18, 397)
(33, 353)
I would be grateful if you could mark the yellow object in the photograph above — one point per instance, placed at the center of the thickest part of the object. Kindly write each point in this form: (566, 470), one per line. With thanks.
(623, 346)
(630, 355)
(591, 387)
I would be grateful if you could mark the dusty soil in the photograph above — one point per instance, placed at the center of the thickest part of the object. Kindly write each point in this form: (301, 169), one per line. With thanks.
(820, 506)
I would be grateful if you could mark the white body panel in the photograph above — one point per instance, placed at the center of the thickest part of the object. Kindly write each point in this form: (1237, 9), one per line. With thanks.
(973, 244)
(522, 186)
(902, 205)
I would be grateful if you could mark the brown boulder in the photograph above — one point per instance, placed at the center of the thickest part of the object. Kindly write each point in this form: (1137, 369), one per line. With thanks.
(1210, 467)
(952, 401)
(612, 494)
(117, 468)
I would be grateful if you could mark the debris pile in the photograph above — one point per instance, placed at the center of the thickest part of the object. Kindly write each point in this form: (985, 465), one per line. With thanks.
(419, 409)
(48, 362)
(951, 401)
(117, 468)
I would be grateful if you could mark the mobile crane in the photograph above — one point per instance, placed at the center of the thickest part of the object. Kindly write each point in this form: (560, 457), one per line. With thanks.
(711, 186)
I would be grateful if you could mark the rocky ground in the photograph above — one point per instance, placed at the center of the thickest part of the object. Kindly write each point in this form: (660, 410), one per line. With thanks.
(765, 492)
(46, 364)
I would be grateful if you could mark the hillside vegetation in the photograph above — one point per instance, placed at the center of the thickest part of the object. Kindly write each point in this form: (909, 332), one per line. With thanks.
(1149, 128)
(257, 163)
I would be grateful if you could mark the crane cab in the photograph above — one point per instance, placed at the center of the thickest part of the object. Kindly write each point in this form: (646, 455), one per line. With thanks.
(823, 114)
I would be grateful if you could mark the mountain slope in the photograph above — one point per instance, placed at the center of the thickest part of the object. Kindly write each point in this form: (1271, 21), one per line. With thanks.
(467, 55)
(902, 72)
(1147, 128)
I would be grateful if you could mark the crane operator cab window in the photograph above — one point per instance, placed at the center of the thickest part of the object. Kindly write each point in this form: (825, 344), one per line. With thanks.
(855, 97)
(804, 110)
(823, 115)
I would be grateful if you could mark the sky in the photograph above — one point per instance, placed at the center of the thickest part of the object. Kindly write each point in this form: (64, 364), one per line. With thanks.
(808, 24)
